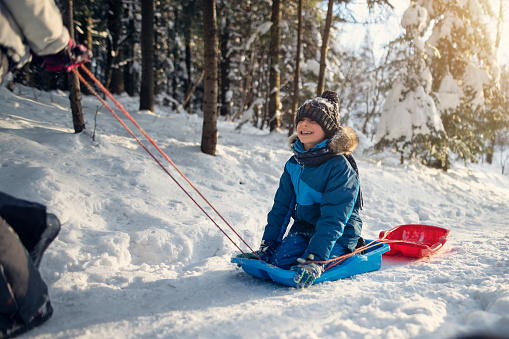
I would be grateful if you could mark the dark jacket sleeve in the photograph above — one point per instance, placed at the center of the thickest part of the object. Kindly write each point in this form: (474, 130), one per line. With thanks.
(22, 290)
(337, 205)
(27, 218)
(281, 212)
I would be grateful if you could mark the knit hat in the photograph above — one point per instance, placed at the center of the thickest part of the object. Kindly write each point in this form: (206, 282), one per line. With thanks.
(324, 110)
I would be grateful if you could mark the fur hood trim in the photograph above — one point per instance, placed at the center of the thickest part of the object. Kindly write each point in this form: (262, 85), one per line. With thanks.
(343, 142)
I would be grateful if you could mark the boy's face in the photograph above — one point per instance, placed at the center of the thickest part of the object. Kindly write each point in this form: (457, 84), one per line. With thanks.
(310, 133)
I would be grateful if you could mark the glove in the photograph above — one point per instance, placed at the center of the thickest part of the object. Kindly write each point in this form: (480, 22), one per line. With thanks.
(307, 272)
(264, 252)
(68, 58)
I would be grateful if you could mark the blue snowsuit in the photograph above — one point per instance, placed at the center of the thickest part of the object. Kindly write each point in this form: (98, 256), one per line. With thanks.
(323, 200)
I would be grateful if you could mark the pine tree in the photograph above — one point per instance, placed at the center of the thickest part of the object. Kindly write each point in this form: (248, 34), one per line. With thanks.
(410, 122)
(459, 58)
(464, 52)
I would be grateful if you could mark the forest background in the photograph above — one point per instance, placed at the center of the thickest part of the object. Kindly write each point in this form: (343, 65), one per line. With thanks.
(256, 61)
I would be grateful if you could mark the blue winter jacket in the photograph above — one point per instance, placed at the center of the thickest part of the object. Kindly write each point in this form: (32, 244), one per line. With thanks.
(322, 200)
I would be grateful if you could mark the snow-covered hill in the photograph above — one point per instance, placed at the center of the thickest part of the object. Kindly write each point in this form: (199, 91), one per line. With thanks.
(136, 258)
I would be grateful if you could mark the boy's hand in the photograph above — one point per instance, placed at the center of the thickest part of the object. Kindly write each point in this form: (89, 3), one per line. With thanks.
(264, 252)
(248, 255)
(307, 272)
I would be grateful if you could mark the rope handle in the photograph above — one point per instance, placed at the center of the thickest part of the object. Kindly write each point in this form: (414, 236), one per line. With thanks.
(119, 106)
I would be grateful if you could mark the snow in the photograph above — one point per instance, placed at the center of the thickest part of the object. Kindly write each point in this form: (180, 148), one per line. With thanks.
(311, 65)
(415, 19)
(450, 93)
(476, 79)
(261, 30)
(406, 114)
(136, 258)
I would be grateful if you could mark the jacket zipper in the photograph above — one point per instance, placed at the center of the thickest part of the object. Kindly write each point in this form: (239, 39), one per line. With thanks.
(298, 185)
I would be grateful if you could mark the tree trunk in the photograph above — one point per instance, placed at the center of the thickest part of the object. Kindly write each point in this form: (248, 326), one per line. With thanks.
(325, 47)
(500, 24)
(188, 52)
(176, 61)
(225, 69)
(274, 76)
(295, 102)
(115, 80)
(209, 133)
(86, 39)
(147, 55)
(73, 81)
(130, 73)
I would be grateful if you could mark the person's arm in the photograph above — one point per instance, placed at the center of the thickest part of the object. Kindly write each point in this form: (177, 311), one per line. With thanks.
(41, 24)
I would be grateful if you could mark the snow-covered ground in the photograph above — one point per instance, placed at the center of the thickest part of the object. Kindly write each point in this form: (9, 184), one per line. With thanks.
(136, 258)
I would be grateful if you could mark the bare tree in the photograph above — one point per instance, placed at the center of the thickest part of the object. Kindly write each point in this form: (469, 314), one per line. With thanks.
(274, 75)
(295, 102)
(73, 81)
(210, 46)
(325, 47)
(147, 55)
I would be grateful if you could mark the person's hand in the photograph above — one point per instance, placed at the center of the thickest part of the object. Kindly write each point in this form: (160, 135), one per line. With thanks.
(307, 272)
(69, 57)
(264, 252)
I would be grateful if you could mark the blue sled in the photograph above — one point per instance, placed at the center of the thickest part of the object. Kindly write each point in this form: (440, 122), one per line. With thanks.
(371, 260)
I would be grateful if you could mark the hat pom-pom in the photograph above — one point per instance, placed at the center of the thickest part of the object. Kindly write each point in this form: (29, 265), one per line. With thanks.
(331, 96)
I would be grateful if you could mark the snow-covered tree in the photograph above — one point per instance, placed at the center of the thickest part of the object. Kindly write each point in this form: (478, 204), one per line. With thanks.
(467, 63)
(410, 121)
(497, 119)
(459, 60)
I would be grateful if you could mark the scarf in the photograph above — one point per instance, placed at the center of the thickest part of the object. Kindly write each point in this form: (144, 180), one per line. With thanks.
(313, 157)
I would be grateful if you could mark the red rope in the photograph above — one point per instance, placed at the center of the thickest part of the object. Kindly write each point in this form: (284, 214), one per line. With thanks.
(105, 91)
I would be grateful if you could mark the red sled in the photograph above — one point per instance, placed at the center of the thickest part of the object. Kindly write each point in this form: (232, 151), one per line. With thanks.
(415, 241)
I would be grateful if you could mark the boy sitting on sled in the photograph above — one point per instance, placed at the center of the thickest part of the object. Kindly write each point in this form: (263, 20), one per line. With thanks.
(320, 190)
